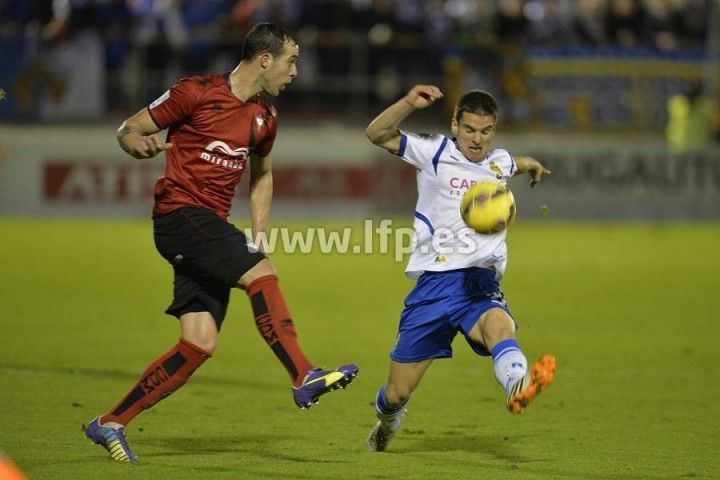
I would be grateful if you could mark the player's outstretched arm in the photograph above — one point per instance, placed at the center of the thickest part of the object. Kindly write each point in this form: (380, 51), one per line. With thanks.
(532, 166)
(135, 136)
(383, 130)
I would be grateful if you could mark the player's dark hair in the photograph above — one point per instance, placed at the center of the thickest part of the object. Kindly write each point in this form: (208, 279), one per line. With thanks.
(478, 102)
(264, 38)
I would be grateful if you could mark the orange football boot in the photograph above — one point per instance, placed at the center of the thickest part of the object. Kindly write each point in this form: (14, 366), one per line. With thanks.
(535, 381)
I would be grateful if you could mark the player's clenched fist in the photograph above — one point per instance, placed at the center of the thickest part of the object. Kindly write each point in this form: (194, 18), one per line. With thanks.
(422, 96)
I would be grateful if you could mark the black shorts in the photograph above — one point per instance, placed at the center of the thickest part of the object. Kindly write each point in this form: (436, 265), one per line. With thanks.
(208, 255)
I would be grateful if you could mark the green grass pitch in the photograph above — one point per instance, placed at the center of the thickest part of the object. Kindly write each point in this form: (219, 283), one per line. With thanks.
(630, 311)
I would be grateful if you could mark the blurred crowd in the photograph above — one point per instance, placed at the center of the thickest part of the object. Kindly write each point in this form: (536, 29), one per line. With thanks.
(85, 57)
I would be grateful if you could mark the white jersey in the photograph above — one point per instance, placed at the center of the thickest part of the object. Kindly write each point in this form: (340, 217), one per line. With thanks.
(442, 241)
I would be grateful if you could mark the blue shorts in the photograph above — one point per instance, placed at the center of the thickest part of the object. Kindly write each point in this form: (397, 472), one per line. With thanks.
(441, 305)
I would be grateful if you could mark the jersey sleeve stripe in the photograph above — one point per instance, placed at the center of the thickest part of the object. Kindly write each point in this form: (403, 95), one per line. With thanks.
(425, 220)
(403, 144)
(436, 158)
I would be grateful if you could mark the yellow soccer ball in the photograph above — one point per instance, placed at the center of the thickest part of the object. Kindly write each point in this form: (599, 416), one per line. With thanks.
(488, 207)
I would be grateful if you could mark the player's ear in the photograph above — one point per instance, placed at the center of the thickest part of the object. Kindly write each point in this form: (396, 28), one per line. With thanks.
(266, 60)
(454, 126)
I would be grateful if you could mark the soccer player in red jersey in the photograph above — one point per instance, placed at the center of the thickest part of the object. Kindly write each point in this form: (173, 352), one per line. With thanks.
(217, 126)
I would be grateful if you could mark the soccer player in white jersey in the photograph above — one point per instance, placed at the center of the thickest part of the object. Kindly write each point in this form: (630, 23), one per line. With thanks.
(457, 270)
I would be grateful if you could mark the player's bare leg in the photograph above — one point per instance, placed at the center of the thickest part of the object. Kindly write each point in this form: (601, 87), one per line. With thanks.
(391, 400)
(199, 328)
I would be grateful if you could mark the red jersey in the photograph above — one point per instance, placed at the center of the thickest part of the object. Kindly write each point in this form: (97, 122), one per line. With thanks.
(213, 133)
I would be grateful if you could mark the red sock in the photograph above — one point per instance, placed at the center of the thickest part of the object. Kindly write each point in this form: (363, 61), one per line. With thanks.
(160, 379)
(273, 321)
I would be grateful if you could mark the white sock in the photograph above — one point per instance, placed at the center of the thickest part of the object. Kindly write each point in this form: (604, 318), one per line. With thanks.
(510, 364)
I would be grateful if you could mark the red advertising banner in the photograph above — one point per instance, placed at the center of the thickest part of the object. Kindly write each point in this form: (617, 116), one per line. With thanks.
(82, 181)
(78, 181)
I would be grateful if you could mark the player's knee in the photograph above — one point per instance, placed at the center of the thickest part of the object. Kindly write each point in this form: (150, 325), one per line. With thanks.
(496, 325)
(209, 346)
(200, 329)
(262, 269)
(206, 341)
